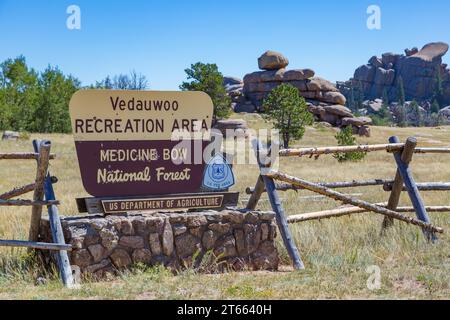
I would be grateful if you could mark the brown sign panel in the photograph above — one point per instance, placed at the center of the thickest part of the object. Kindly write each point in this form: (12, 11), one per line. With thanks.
(126, 141)
(163, 203)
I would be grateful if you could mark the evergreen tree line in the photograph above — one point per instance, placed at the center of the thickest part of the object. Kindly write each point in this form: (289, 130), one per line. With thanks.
(32, 101)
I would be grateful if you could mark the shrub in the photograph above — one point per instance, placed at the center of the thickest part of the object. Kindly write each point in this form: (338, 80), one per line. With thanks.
(345, 138)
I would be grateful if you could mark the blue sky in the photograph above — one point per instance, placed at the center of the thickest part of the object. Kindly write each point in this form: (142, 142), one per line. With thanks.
(161, 38)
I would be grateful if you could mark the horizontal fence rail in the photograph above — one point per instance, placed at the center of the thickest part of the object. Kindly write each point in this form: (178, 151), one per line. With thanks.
(389, 147)
(28, 203)
(36, 245)
(348, 210)
(348, 200)
(386, 183)
(271, 181)
(43, 195)
(422, 186)
(18, 191)
(23, 156)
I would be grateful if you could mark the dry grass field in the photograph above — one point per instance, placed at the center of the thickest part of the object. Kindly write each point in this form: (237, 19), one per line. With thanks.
(336, 251)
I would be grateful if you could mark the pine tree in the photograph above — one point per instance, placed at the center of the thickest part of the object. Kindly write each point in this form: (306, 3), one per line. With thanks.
(361, 95)
(438, 89)
(415, 114)
(400, 91)
(351, 99)
(385, 98)
(289, 112)
(207, 78)
(435, 107)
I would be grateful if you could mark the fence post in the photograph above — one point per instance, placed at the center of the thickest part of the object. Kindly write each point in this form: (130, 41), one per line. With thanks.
(256, 195)
(413, 191)
(277, 207)
(42, 168)
(62, 258)
(397, 187)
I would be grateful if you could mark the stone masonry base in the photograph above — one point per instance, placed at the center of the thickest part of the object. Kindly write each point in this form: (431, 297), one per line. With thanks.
(227, 239)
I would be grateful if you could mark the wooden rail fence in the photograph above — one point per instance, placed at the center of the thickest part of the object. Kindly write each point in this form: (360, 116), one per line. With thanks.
(43, 195)
(402, 182)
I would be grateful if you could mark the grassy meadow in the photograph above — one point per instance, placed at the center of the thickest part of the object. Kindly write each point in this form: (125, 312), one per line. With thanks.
(336, 251)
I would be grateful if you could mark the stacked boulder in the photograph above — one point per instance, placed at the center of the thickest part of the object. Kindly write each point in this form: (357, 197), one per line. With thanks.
(323, 98)
(418, 69)
(259, 84)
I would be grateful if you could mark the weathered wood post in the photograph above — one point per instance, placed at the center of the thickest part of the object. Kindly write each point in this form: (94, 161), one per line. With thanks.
(62, 258)
(397, 187)
(256, 194)
(275, 203)
(42, 167)
(413, 191)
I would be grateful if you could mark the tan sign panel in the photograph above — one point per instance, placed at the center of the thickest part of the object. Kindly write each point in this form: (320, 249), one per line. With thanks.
(124, 140)
(108, 115)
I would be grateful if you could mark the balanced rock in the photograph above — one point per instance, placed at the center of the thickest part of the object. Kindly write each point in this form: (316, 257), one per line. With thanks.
(318, 92)
(271, 60)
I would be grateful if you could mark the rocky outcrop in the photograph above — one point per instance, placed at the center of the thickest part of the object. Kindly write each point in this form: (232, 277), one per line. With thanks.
(258, 85)
(248, 95)
(323, 98)
(234, 88)
(418, 69)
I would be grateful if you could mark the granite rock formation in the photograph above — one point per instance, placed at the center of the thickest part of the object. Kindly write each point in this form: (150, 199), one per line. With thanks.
(418, 69)
(323, 98)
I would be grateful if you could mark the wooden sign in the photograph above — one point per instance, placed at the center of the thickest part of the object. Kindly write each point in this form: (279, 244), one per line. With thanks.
(125, 141)
(169, 202)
